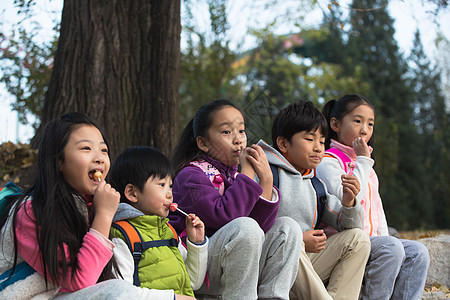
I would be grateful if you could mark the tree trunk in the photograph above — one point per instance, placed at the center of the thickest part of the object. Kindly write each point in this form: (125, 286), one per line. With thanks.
(118, 61)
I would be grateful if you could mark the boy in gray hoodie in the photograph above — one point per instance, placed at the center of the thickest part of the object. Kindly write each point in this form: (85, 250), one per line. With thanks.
(337, 261)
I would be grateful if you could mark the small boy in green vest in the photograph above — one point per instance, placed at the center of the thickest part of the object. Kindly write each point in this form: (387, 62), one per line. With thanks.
(147, 249)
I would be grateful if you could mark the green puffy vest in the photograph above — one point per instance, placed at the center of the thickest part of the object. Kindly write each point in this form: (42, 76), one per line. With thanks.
(162, 267)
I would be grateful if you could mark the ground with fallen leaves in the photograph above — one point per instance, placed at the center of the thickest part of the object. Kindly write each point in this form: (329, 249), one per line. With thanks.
(421, 234)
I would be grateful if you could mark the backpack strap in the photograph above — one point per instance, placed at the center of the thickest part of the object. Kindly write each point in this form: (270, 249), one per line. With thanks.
(133, 239)
(321, 198)
(19, 272)
(10, 189)
(174, 232)
(342, 158)
(318, 187)
(274, 170)
(23, 269)
(213, 174)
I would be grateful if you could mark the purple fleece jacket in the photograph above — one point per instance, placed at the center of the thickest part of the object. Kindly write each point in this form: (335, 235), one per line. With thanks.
(194, 193)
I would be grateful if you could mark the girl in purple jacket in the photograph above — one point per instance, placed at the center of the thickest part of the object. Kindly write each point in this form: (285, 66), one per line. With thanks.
(252, 255)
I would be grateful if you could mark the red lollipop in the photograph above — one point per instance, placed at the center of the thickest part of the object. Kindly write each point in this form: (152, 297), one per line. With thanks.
(173, 206)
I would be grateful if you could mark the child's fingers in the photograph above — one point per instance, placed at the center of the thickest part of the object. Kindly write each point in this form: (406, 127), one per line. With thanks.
(251, 152)
(194, 220)
(351, 179)
(257, 152)
(258, 149)
(350, 190)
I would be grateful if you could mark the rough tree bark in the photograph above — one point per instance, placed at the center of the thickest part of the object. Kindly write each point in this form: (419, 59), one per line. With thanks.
(118, 61)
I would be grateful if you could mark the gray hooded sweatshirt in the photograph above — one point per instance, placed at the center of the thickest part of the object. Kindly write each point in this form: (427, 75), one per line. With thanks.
(299, 201)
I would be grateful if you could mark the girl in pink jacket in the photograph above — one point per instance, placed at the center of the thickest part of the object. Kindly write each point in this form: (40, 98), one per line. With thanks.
(396, 268)
(60, 226)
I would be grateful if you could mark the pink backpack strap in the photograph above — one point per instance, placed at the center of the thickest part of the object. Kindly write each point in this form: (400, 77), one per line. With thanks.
(343, 159)
(213, 174)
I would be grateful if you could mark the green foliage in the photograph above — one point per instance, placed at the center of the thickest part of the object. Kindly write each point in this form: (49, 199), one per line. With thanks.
(406, 109)
(284, 69)
(206, 63)
(26, 64)
(342, 56)
(432, 121)
(372, 47)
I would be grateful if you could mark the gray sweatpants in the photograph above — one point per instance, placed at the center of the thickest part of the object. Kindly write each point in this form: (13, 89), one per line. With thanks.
(245, 263)
(117, 289)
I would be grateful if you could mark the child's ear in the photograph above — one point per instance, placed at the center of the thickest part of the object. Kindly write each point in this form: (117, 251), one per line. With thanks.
(130, 193)
(335, 124)
(282, 144)
(202, 144)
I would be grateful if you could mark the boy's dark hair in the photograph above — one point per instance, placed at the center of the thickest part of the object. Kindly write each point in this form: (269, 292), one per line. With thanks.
(136, 165)
(338, 109)
(186, 149)
(296, 117)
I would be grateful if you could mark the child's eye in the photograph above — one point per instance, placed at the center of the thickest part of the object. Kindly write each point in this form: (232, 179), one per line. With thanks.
(308, 139)
(242, 131)
(86, 148)
(371, 124)
(226, 132)
(105, 150)
(357, 121)
(162, 184)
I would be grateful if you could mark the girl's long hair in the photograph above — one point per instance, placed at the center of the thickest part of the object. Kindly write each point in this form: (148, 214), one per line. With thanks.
(59, 221)
(338, 109)
(186, 149)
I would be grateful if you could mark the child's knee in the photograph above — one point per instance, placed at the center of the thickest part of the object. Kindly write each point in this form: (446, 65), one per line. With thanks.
(356, 240)
(362, 239)
(247, 230)
(359, 236)
(288, 226)
(422, 256)
(389, 247)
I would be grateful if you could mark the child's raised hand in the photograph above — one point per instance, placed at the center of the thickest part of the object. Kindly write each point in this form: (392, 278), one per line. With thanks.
(314, 240)
(258, 159)
(350, 188)
(106, 200)
(361, 148)
(246, 165)
(195, 229)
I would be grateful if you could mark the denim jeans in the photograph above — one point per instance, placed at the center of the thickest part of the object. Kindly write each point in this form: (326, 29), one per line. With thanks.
(396, 269)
